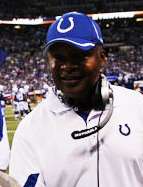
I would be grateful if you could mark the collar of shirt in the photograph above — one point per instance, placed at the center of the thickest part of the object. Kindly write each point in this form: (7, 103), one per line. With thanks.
(57, 107)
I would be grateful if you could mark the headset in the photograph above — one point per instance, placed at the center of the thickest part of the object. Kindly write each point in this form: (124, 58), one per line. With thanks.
(104, 90)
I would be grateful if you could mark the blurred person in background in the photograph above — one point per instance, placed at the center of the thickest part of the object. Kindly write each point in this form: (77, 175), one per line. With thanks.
(20, 103)
(2, 100)
(2, 103)
(4, 144)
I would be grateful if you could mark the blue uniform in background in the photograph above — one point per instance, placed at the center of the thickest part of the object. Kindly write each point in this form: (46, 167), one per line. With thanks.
(4, 143)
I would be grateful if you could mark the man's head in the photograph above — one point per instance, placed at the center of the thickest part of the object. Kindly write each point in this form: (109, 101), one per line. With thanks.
(75, 54)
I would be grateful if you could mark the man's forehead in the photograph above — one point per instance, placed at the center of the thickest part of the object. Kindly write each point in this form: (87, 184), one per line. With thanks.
(61, 45)
(64, 48)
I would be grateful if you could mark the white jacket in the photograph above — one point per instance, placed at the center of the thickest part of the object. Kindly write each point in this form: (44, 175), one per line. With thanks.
(45, 155)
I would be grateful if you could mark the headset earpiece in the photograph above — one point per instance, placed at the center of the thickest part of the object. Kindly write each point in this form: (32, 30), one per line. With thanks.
(103, 93)
(106, 92)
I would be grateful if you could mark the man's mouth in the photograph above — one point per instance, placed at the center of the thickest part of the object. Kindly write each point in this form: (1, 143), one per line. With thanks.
(71, 80)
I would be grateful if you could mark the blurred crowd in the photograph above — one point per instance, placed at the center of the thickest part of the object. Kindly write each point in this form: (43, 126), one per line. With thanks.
(24, 63)
(125, 66)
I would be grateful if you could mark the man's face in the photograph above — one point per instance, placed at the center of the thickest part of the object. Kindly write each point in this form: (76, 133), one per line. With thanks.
(75, 72)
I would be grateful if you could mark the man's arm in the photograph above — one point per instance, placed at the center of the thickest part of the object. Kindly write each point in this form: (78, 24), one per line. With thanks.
(7, 181)
(24, 165)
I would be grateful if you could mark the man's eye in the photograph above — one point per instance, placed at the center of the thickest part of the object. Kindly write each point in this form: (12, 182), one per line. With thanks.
(59, 58)
(59, 61)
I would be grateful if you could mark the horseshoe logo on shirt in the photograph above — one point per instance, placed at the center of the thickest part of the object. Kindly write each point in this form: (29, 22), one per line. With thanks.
(59, 29)
(124, 129)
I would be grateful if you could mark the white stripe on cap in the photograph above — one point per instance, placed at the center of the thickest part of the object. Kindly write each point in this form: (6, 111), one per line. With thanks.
(64, 39)
(74, 12)
(97, 33)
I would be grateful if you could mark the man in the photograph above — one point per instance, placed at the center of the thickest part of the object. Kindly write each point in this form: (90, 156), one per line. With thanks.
(4, 144)
(79, 137)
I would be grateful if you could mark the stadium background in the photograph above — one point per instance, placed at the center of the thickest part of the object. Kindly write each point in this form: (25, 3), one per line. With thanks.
(22, 43)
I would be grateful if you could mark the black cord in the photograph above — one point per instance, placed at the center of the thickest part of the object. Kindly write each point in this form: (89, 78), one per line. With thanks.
(98, 155)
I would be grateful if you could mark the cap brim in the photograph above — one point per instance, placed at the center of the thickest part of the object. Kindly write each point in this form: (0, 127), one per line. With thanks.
(79, 43)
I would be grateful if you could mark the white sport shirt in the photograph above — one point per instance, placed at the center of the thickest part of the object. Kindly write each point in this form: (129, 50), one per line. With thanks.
(45, 155)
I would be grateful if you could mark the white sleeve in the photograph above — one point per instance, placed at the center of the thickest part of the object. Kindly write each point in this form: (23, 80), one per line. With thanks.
(24, 165)
(4, 149)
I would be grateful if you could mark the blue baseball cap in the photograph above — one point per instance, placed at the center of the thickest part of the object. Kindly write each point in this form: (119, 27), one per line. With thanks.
(76, 29)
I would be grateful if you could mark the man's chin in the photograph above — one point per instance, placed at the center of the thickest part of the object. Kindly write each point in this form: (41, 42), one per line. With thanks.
(74, 92)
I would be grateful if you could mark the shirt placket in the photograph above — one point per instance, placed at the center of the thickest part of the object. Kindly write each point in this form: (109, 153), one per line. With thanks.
(93, 120)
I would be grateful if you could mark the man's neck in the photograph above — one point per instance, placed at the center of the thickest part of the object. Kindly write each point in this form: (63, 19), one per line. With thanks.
(86, 102)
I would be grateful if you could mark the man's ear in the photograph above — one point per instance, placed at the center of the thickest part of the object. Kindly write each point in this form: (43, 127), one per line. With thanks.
(101, 55)
(104, 57)
(51, 61)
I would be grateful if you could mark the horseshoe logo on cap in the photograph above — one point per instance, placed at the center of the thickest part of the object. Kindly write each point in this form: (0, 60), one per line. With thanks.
(68, 28)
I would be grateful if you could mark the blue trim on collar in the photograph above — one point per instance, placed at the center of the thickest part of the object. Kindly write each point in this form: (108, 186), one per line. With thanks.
(84, 115)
